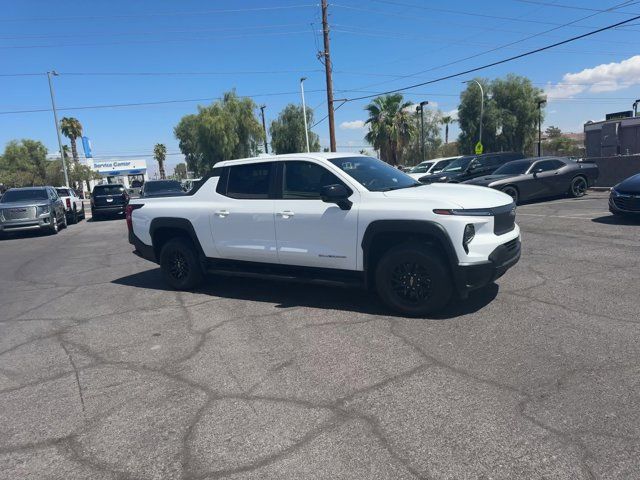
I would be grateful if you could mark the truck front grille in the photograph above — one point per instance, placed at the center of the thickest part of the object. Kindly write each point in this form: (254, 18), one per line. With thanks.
(504, 219)
(19, 213)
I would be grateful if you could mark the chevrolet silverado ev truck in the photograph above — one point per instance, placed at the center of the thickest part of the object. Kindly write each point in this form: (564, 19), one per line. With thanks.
(332, 218)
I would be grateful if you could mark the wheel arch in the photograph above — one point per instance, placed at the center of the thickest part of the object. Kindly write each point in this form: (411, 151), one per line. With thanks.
(381, 235)
(162, 229)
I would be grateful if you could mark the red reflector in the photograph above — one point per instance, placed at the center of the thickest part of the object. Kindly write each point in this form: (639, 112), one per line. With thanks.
(128, 212)
(442, 211)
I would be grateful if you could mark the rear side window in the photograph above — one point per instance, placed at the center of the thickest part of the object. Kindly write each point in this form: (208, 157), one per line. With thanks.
(108, 190)
(250, 181)
(63, 192)
(304, 180)
(547, 166)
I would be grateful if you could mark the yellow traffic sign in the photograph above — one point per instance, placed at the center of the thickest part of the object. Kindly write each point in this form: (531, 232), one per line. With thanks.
(479, 148)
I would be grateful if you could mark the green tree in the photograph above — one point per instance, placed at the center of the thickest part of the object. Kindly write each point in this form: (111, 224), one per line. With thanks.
(180, 171)
(391, 126)
(510, 115)
(72, 129)
(24, 163)
(224, 130)
(446, 120)
(411, 153)
(553, 132)
(160, 155)
(287, 131)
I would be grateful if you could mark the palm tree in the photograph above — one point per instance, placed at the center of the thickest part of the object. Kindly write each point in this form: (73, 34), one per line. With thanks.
(446, 120)
(160, 154)
(72, 129)
(390, 126)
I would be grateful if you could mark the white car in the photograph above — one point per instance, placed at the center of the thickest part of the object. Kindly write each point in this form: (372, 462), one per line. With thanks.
(73, 205)
(430, 166)
(331, 218)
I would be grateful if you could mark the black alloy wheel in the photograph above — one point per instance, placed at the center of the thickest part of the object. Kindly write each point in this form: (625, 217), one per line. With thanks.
(512, 192)
(578, 187)
(180, 264)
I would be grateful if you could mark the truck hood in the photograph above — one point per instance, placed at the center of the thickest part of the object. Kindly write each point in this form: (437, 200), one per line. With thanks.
(464, 196)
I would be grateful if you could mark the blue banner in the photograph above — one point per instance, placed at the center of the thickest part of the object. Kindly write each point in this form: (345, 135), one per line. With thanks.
(86, 145)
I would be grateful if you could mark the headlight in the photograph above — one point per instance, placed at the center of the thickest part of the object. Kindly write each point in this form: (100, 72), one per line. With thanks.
(614, 192)
(43, 209)
(469, 233)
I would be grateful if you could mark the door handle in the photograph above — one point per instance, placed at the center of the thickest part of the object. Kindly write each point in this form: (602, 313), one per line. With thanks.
(222, 213)
(286, 214)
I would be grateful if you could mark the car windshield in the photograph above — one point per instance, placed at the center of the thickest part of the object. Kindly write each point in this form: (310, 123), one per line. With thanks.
(459, 164)
(373, 174)
(513, 168)
(63, 192)
(24, 195)
(108, 190)
(163, 186)
(422, 168)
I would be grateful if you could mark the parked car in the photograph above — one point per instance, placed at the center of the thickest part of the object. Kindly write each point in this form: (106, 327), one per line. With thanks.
(161, 188)
(429, 167)
(471, 166)
(108, 199)
(540, 177)
(624, 198)
(32, 208)
(331, 218)
(73, 205)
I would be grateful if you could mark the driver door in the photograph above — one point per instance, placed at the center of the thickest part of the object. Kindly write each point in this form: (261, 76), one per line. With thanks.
(310, 232)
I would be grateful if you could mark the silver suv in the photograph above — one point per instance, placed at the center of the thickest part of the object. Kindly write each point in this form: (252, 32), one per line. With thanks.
(31, 208)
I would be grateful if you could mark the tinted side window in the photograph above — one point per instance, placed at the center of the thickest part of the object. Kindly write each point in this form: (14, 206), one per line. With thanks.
(304, 180)
(547, 165)
(249, 181)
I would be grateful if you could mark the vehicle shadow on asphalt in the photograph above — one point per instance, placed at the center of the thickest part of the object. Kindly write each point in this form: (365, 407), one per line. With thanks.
(617, 220)
(288, 295)
(103, 219)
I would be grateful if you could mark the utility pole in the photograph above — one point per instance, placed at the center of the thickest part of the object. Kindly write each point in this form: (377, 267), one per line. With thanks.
(264, 127)
(304, 113)
(55, 119)
(422, 104)
(540, 103)
(327, 68)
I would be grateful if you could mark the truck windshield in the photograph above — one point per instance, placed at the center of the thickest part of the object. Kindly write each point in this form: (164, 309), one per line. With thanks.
(373, 174)
(24, 195)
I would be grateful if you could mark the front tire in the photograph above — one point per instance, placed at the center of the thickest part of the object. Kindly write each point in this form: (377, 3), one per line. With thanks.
(512, 192)
(53, 225)
(413, 280)
(578, 187)
(180, 266)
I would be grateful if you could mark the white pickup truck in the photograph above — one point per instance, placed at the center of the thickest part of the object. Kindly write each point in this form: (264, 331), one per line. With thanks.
(331, 218)
(74, 208)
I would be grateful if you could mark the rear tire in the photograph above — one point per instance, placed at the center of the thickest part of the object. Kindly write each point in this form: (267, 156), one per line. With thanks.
(512, 192)
(413, 280)
(578, 187)
(180, 266)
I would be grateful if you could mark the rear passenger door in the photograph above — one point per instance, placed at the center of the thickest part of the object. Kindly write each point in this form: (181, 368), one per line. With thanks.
(242, 219)
(310, 232)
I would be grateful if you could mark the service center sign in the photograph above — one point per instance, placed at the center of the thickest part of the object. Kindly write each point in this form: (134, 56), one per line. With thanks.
(120, 167)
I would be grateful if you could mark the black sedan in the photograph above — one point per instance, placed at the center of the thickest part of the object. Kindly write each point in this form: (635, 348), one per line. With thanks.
(625, 197)
(540, 177)
(161, 188)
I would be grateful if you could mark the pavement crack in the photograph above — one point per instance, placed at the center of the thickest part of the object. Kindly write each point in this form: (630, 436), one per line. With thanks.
(75, 371)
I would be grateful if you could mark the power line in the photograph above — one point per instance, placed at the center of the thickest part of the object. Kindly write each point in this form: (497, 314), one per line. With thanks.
(506, 45)
(499, 62)
(574, 7)
(162, 102)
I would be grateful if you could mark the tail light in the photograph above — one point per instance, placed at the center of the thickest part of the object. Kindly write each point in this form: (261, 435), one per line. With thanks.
(69, 203)
(129, 211)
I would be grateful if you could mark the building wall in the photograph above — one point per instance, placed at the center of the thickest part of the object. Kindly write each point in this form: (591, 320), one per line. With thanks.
(616, 168)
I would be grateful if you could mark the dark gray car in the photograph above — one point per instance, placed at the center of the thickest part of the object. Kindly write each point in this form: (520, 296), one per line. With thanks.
(539, 177)
(31, 208)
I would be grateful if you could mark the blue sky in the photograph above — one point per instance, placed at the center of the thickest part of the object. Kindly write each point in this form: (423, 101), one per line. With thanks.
(263, 48)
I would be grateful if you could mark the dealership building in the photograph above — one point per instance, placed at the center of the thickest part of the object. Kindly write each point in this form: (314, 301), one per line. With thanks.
(127, 172)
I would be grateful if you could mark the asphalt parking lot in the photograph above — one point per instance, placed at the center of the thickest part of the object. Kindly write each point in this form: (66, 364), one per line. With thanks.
(106, 374)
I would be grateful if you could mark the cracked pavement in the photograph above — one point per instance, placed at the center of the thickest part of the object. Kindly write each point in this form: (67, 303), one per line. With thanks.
(107, 374)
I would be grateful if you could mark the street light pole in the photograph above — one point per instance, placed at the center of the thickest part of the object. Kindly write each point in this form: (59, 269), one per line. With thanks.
(304, 113)
(55, 119)
(540, 103)
(422, 104)
(264, 127)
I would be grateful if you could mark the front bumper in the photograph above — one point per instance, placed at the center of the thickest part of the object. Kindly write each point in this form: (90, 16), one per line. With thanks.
(142, 249)
(110, 209)
(470, 277)
(25, 225)
(633, 208)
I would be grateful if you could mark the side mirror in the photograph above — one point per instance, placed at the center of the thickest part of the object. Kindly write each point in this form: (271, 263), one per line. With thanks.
(337, 194)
